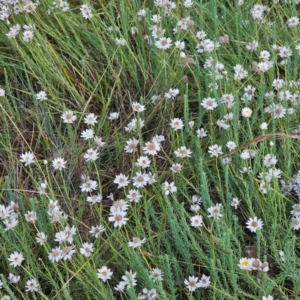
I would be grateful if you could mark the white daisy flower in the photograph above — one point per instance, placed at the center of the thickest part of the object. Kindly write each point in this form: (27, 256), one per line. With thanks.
(30, 216)
(88, 185)
(263, 126)
(120, 286)
(215, 150)
(163, 43)
(176, 124)
(143, 162)
(151, 148)
(246, 112)
(204, 282)
(136, 242)
(94, 199)
(245, 264)
(215, 211)
(131, 145)
(56, 254)
(59, 163)
(119, 205)
(192, 283)
(96, 230)
(87, 134)
(27, 158)
(292, 22)
(16, 259)
(41, 96)
(235, 202)
(120, 41)
(91, 119)
(134, 196)
(13, 279)
(121, 180)
(231, 145)
(253, 224)
(269, 297)
(68, 117)
(183, 152)
(104, 273)
(86, 11)
(140, 179)
(31, 285)
(196, 221)
(118, 217)
(171, 94)
(113, 116)
(156, 274)
(87, 249)
(209, 103)
(98, 142)
(129, 278)
(67, 252)
(201, 133)
(41, 238)
(169, 188)
(137, 107)
(176, 168)
(91, 155)
(296, 223)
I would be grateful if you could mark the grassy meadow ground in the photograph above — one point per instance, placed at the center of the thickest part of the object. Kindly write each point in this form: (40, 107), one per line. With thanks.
(149, 149)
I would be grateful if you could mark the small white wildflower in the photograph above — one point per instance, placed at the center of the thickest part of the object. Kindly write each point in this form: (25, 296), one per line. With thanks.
(172, 93)
(113, 116)
(68, 117)
(246, 112)
(88, 185)
(120, 41)
(16, 259)
(176, 168)
(87, 249)
(121, 180)
(104, 273)
(86, 11)
(96, 230)
(215, 211)
(91, 119)
(87, 134)
(253, 224)
(176, 124)
(163, 43)
(59, 163)
(94, 199)
(263, 126)
(27, 158)
(215, 150)
(235, 202)
(136, 242)
(41, 96)
(201, 133)
(31, 285)
(28, 35)
(231, 145)
(196, 221)
(169, 188)
(91, 155)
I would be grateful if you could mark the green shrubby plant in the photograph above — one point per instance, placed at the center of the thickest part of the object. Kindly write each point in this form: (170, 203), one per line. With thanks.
(149, 150)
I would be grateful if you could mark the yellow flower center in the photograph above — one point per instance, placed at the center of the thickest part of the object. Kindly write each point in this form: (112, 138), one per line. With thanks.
(245, 263)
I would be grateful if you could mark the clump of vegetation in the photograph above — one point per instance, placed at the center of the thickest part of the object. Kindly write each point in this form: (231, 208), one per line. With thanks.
(149, 150)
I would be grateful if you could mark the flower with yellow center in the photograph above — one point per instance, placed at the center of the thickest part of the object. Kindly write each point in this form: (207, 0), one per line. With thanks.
(244, 264)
